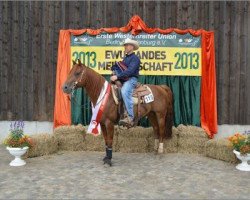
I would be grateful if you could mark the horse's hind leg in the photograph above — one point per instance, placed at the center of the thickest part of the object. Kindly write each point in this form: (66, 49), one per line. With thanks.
(153, 121)
(162, 126)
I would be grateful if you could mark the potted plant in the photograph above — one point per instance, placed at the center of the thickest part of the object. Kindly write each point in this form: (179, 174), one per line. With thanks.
(241, 145)
(17, 143)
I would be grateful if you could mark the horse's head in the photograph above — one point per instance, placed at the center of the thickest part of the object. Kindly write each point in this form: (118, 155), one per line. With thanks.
(75, 78)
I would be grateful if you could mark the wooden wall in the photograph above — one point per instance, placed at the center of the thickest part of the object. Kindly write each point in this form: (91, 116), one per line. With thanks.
(29, 39)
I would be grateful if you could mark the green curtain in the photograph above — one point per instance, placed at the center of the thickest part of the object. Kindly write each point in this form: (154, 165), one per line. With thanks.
(80, 108)
(186, 90)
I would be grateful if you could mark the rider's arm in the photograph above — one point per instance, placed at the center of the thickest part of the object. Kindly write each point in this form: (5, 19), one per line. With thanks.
(114, 67)
(132, 69)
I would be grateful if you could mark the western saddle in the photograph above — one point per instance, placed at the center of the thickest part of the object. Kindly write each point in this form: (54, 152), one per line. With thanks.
(138, 97)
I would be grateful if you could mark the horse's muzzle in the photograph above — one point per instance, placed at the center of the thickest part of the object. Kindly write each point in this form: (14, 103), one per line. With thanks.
(66, 89)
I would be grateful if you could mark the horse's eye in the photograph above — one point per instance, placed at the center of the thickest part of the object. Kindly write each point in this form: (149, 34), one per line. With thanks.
(78, 73)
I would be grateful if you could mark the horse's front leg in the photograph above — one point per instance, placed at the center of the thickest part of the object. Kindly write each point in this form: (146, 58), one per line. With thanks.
(105, 135)
(108, 133)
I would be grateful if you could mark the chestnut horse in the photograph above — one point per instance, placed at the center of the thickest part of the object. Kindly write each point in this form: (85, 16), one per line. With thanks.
(159, 112)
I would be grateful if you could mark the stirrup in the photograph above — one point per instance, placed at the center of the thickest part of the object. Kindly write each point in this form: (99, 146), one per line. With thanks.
(126, 122)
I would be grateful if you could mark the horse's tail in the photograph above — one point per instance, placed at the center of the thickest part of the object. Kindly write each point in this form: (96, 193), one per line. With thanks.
(170, 112)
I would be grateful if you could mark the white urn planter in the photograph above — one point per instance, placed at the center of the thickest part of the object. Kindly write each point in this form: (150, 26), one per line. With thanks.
(17, 152)
(243, 166)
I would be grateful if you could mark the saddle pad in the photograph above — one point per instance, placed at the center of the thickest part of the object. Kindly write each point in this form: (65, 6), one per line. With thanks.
(135, 99)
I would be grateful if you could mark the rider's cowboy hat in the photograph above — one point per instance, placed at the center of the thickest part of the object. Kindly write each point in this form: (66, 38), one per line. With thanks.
(133, 42)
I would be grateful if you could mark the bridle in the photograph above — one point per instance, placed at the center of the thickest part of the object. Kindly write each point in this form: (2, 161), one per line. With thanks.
(77, 81)
(74, 89)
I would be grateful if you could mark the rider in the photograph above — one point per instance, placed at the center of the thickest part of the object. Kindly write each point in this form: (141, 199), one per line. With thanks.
(129, 77)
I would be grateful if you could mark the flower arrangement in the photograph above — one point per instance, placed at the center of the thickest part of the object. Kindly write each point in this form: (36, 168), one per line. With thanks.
(16, 138)
(241, 142)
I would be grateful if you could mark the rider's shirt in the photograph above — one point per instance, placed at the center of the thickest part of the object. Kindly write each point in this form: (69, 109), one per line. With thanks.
(132, 62)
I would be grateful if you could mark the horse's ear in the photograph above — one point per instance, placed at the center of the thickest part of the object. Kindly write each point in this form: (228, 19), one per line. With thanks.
(79, 62)
(74, 62)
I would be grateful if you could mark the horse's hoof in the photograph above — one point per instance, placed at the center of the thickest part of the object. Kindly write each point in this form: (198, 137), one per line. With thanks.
(125, 124)
(122, 127)
(160, 151)
(106, 160)
(121, 123)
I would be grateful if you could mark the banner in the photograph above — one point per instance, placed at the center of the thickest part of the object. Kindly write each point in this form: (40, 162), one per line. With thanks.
(170, 55)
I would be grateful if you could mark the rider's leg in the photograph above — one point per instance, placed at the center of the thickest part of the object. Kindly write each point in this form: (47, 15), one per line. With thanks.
(127, 91)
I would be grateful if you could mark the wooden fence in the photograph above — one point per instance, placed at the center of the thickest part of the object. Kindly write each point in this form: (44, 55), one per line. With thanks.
(29, 40)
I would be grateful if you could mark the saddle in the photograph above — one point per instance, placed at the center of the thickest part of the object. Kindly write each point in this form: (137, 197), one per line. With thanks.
(141, 95)
(138, 95)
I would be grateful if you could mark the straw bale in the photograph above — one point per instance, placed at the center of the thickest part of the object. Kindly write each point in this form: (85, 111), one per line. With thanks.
(185, 139)
(133, 140)
(170, 144)
(191, 139)
(135, 132)
(94, 143)
(191, 131)
(220, 149)
(44, 144)
(192, 145)
(70, 138)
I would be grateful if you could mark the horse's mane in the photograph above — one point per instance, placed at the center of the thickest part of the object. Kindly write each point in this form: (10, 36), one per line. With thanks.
(93, 83)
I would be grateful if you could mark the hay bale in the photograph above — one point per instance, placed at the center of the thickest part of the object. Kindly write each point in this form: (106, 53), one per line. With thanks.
(133, 145)
(220, 149)
(44, 144)
(192, 145)
(133, 140)
(170, 145)
(191, 139)
(141, 140)
(97, 143)
(70, 137)
(191, 131)
(123, 138)
(94, 143)
(135, 132)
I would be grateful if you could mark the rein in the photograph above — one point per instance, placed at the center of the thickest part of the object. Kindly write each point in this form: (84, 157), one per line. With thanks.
(75, 101)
